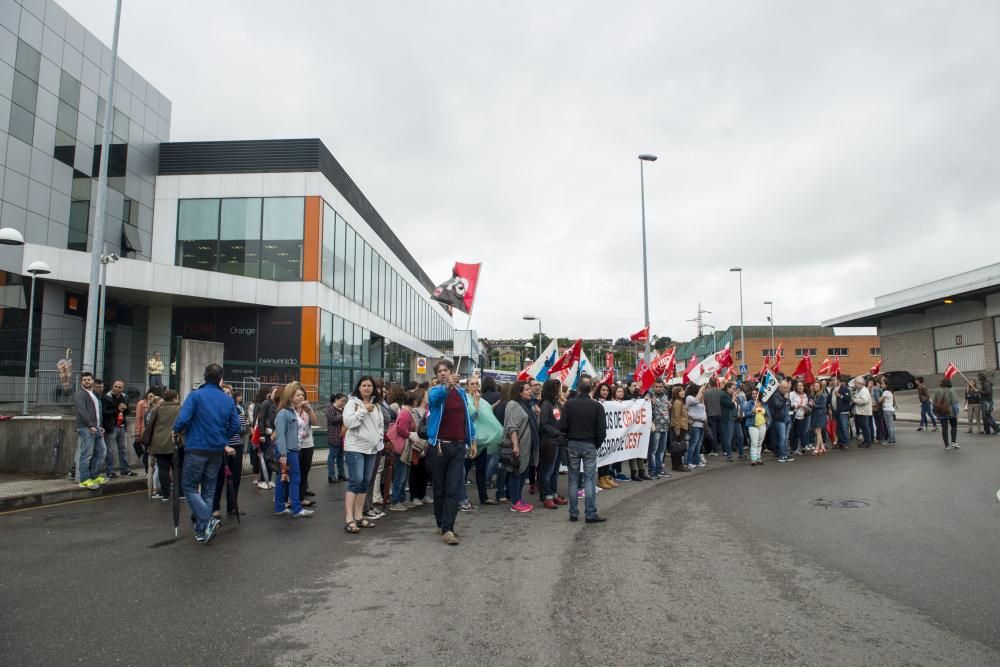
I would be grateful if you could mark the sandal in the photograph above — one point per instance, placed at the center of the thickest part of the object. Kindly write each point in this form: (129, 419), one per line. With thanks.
(351, 527)
(365, 523)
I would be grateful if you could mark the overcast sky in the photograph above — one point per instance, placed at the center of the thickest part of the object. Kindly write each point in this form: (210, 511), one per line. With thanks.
(834, 150)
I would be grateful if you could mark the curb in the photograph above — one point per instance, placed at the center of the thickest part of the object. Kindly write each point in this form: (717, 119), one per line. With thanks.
(56, 497)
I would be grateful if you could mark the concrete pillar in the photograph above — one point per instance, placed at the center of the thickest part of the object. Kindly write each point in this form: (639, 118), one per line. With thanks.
(990, 344)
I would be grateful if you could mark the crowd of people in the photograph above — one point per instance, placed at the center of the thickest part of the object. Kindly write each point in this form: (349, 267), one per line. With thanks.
(392, 445)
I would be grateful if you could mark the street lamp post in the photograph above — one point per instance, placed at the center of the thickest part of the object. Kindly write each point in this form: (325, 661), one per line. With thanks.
(105, 260)
(770, 318)
(528, 347)
(645, 157)
(536, 317)
(37, 268)
(91, 331)
(743, 349)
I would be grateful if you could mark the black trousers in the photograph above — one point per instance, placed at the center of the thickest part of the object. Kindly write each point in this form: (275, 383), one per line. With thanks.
(945, 421)
(305, 465)
(419, 476)
(235, 465)
(448, 480)
(164, 462)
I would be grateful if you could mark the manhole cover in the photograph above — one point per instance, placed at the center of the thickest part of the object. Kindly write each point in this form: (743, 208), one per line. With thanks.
(839, 503)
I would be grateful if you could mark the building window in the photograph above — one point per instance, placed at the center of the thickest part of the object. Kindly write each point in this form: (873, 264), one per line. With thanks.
(239, 237)
(198, 233)
(359, 269)
(329, 227)
(767, 352)
(349, 268)
(836, 351)
(339, 255)
(803, 351)
(281, 238)
(876, 351)
(369, 275)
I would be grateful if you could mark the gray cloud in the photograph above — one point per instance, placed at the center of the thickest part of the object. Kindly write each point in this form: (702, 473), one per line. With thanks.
(834, 150)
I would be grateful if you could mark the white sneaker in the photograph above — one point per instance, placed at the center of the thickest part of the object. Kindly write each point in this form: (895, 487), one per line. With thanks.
(416, 502)
(703, 461)
(954, 445)
(398, 507)
(270, 485)
(302, 513)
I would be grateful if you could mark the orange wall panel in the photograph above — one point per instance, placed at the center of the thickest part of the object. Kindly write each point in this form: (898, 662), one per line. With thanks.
(312, 245)
(310, 350)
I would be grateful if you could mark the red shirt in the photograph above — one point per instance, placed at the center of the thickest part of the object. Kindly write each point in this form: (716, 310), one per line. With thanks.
(453, 418)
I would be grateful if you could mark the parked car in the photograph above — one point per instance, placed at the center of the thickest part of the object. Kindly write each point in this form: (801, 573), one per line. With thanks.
(900, 380)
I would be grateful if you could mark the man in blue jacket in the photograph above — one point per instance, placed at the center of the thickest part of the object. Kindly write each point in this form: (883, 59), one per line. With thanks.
(451, 433)
(208, 419)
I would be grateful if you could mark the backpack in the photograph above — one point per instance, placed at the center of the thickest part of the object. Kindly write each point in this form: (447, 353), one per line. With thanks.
(941, 406)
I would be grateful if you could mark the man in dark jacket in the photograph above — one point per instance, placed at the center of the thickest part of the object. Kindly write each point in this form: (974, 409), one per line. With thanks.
(90, 435)
(115, 423)
(727, 410)
(986, 398)
(582, 420)
(778, 406)
(208, 419)
(713, 407)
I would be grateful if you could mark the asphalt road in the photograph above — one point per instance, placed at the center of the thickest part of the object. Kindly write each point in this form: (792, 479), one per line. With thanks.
(734, 565)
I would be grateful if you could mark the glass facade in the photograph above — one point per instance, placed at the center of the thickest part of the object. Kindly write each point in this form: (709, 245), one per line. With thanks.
(253, 237)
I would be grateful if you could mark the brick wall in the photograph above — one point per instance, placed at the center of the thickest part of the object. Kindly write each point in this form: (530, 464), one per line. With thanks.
(858, 361)
(912, 351)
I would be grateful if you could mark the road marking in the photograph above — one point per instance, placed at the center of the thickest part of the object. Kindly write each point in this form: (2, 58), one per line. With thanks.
(72, 502)
(998, 494)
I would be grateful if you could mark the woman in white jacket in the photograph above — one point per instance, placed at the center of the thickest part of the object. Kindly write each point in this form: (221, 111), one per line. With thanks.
(365, 427)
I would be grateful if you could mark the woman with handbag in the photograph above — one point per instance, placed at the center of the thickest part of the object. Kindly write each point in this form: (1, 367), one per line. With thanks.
(159, 435)
(489, 433)
(518, 443)
(402, 450)
(817, 419)
(678, 430)
(419, 468)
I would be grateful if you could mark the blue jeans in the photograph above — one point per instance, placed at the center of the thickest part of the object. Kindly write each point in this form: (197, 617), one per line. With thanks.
(359, 470)
(694, 445)
(400, 471)
(116, 437)
(779, 436)
(335, 467)
(843, 426)
(726, 436)
(201, 470)
(515, 486)
(738, 437)
(925, 412)
(889, 417)
(289, 489)
(586, 454)
(867, 429)
(657, 448)
(89, 454)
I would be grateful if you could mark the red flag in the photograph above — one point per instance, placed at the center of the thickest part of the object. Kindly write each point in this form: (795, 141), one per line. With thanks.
(692, 364)
(767, 365)
(725, 358)
(609, 360)
(805, 368)
(569, 357)
(640, 336)
(776, 367)
(835, 367)
(609, 377)
(826, 367)
(663, 363)
(949, 372)
(460, 290)
(523, 376)
(644, 376)
(729, 374)
(877, 367)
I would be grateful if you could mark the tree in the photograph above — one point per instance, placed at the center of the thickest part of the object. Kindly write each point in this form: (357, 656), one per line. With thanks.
(662, 343)
(623, 342)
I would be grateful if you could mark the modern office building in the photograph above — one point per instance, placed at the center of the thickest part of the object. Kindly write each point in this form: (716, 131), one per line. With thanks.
(266, 246)
(925, 327)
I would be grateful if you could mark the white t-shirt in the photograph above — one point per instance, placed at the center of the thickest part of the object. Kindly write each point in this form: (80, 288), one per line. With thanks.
(888, 401)
(97, 406)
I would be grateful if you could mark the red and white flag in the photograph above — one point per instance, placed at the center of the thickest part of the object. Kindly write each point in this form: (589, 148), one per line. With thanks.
(640, 335)
(710, 366)
(877, 367)
(569, 358)
(609, 377)
(835, 367)
(767, 365)
(826, 367)
(664, 364)
(776, 366)
(644, 376)
(609, 360)
(460, 290)
(950, 371)
(692, 365)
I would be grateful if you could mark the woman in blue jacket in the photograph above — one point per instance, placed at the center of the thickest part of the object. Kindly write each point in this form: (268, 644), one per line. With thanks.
(287, 440)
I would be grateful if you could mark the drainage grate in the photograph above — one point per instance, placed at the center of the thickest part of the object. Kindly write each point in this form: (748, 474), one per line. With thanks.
(839, 503)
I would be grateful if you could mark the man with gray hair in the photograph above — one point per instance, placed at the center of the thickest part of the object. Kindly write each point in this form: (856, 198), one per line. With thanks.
(582, 420)
(863, 408)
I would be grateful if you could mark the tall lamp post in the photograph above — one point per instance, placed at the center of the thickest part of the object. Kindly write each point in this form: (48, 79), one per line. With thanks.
(770, 318)
(645, 157)
(37, 268)
(105, 260)
(528, 347)
(536, 317)
(743, 349)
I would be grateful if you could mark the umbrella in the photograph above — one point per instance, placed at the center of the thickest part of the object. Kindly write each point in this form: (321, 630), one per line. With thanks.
(231, 492)
(175, 496)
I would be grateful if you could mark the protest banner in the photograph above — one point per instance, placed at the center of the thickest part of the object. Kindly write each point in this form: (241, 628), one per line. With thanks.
(628, 424)
(768, 384)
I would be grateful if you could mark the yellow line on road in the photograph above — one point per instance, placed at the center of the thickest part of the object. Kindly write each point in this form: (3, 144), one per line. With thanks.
(72, 502)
